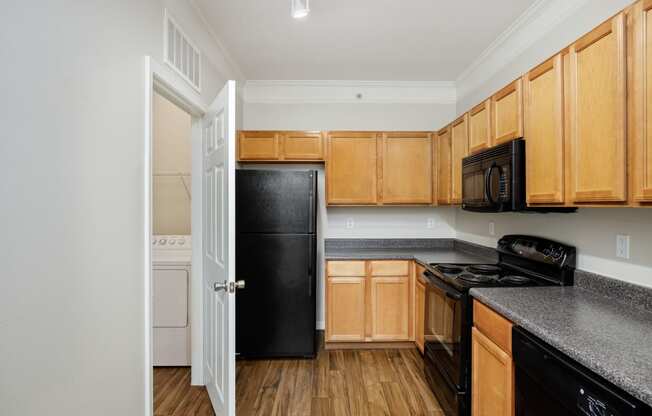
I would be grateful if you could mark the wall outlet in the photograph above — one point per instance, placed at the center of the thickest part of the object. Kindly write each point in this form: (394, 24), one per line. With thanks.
(430, 223)
(492, 228)
(622, 246)
(350, 223)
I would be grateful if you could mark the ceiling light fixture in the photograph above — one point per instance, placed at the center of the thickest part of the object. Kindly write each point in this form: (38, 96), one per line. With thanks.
(300, 8)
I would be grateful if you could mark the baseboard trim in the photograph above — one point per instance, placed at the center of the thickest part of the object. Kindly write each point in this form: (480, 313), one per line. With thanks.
(369, 345)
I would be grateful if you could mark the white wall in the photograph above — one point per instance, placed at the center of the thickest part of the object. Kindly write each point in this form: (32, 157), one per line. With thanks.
(593, 231)
(346, 116)
(71, 168)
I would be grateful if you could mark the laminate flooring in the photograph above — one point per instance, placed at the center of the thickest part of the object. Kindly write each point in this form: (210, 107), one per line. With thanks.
(336, 382)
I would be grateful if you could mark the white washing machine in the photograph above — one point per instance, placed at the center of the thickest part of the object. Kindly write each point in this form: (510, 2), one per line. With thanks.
(171, 262)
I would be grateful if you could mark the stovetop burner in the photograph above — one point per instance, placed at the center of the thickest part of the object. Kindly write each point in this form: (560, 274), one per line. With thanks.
(450, 268)
(483, 269)
(515, 279)
(477, 278)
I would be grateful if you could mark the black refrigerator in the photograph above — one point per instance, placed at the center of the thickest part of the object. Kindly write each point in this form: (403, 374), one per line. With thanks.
(276, 246)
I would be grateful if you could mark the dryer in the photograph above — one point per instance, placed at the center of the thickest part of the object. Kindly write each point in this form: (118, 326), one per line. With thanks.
(171, 268)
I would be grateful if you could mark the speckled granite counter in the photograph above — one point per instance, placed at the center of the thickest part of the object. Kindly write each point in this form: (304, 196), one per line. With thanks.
(422, 250)
(611, 337)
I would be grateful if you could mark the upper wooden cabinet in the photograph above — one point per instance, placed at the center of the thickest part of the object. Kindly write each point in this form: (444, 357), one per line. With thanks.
(280, 146)
(302, 145)
(507, 113)
(443, 141)
(351, 168)
(407, 168)
(640, 94)
(459, 150)
(597, 115)
(480, 127)
(544, 132)
(259, 145)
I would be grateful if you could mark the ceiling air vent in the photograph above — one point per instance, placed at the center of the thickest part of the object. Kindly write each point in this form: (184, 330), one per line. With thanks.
(181, 54)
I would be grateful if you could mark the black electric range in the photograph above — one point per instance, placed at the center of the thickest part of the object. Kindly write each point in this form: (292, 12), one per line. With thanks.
(523, 261)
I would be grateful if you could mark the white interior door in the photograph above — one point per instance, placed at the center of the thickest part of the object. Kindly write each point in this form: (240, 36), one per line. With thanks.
(218, 133)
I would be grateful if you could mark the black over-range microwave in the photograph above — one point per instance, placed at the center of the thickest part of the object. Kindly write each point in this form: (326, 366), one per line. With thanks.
(494, 180)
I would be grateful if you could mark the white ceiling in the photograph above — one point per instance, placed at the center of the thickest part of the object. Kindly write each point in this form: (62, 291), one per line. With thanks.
(425, 40)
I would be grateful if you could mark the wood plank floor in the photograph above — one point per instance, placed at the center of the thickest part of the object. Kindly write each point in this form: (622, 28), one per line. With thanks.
(349, 383)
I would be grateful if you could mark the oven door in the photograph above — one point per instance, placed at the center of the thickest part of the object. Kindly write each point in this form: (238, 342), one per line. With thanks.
(446, 348)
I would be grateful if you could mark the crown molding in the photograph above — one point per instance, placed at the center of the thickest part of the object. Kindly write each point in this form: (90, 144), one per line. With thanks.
(533, 24)
(316, 91)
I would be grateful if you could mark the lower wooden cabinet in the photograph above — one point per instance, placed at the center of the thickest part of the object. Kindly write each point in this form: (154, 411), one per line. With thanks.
(492, 378)
(369, 301)
(492, 366)
(345, 306)
(389, 308)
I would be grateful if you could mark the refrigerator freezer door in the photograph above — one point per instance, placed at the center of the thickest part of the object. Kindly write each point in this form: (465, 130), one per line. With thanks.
(269, 201)
(275, 313)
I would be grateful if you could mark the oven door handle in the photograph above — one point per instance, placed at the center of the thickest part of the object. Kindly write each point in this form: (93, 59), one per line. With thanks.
(450, 293)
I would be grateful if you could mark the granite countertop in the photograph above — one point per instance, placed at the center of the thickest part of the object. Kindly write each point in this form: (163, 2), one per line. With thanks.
(422, 250)
(606, 335)
(422, 255)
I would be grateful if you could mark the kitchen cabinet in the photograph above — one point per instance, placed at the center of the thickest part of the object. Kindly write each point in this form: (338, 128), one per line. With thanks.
(389, 309)
(492, 378)
(280, 146)
(492, 373)
(259, 145)
(419, 312)
(443, 141)
(544, 132)
(345, 301)
(407, 168)
(597, 115)
(369, 301)
(480, 127)
(459, 150)
(303, 146)
(352, 168)
(507, 113)
(640, 93)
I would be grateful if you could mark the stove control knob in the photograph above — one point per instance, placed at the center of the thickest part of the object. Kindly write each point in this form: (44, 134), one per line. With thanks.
(181, 242)
(162, 241)
(173, 242)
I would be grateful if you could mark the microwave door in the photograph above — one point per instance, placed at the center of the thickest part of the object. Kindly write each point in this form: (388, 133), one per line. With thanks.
(473, 194)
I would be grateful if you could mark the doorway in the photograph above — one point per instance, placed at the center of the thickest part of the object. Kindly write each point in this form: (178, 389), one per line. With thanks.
(172, 299)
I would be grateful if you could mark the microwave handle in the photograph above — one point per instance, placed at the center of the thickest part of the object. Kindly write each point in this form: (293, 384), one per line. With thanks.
(487, 184)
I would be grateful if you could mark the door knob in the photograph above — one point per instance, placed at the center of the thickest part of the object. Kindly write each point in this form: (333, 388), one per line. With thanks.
(221, 286)
(240, 284)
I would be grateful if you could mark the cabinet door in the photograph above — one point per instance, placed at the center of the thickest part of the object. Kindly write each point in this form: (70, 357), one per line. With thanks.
(389, 308)
(480, 127)
(492, 376)
(303, 145)
(258, 145)
(459, 150)
(597, 114)
(507, 113)
(544, 132)
(351, 169)
(419, 313)
(407, 168)
(444, 166)
(640, 91)
(345, 309)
